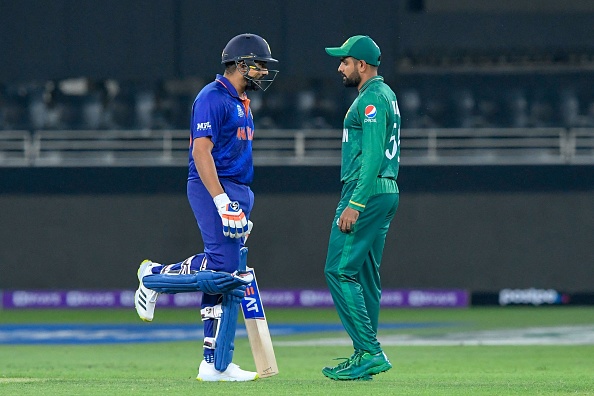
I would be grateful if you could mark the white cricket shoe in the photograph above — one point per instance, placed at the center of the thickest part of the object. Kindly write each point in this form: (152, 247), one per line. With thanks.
(207, 372)
(145, 299)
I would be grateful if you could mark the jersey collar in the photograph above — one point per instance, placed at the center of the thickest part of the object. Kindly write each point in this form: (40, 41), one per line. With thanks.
(370, 81)
(227, 84)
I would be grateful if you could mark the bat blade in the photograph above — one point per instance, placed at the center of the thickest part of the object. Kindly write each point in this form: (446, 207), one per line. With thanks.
(257, 330)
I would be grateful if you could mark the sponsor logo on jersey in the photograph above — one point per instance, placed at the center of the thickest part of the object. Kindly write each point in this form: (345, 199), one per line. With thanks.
(203, 126)
(245, 133)
(370, 113)
(240, 112)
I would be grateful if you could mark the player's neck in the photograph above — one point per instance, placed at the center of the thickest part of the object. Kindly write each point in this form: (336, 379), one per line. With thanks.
(238, 82)
(364, 78)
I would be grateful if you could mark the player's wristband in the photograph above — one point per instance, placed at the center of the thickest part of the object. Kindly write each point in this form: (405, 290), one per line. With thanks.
(221, 201)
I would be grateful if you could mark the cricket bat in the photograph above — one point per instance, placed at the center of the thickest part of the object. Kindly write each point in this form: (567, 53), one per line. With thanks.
(257, 326)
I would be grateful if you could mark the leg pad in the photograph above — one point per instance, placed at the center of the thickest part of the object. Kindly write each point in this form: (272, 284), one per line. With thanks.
(225, 345)
(211, 282)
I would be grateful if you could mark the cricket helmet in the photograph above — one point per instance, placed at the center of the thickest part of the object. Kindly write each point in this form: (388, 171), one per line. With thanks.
(248, 49)
(247, 46)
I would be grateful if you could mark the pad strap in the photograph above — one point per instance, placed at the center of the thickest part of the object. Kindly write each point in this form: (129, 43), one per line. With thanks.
(211, 312)
(209, 342)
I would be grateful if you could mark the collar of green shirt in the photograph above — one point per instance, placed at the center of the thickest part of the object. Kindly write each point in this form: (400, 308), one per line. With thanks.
(369, 82)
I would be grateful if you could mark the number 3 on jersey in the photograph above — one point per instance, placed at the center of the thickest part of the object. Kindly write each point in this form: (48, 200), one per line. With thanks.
(395, 140)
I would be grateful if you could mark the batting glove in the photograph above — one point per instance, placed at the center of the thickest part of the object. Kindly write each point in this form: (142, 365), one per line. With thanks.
(235, 225)
(249, 231)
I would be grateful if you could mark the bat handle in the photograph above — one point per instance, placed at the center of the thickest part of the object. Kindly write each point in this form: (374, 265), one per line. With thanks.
(243, 259)
(243, 251)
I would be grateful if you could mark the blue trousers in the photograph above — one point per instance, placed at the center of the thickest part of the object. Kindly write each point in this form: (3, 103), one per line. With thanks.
(222, 253)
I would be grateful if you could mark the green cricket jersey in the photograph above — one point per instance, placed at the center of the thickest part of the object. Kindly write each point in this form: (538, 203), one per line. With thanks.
(371, 143)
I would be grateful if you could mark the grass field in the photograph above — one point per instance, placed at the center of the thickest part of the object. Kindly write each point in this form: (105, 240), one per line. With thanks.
(170, 367)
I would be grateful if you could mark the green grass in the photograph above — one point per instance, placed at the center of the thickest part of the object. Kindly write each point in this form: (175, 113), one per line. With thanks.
(170, 368)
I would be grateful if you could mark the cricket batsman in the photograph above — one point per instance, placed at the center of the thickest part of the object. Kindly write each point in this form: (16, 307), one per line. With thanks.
(219, 175)
(368, 203)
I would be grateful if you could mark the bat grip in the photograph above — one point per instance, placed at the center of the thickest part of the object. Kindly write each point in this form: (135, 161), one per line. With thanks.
(243, 259)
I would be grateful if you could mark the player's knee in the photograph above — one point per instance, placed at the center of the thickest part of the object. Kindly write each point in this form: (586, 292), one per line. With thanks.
(331, 272)
(334, 275)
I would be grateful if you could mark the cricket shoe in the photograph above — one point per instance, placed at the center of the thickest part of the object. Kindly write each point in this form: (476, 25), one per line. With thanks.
(144, 298)
(360, 367)
(207, 372)
(330, 372)
(343, 364)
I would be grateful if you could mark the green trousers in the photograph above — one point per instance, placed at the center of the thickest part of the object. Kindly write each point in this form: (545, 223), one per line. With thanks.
(352, 267)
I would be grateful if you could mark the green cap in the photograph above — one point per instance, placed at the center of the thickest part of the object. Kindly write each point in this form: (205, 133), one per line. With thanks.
(359, 47)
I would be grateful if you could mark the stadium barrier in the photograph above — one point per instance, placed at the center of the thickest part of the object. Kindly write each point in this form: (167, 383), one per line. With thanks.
(467, 146)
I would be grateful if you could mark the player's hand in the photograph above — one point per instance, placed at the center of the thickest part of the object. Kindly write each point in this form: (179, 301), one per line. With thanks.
(348, 218)
(235, 225)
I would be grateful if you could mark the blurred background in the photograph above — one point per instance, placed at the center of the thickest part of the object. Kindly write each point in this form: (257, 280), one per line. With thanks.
(497, 162)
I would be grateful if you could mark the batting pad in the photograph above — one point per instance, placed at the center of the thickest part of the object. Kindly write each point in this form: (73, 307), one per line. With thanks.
(225, 339)
(210, 282)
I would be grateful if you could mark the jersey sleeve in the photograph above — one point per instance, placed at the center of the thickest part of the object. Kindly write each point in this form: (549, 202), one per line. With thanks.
(372, 147)
(207, 117)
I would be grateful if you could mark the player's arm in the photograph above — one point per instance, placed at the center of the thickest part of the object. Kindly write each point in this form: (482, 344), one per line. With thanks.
(372, 146)
(235, 224)
(372, 155)
(202, 154)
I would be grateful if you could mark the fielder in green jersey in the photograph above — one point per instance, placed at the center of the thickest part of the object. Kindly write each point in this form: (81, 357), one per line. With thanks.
(369, 199)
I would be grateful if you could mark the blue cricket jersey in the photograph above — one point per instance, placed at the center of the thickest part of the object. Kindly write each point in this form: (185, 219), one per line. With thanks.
(220, 114)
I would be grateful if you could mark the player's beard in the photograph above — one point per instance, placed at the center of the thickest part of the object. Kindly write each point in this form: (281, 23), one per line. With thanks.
(251, 85)
(353, 80)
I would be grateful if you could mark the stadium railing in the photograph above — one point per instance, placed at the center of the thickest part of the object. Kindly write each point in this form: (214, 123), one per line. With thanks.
(491, 146)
